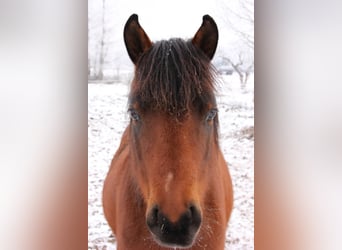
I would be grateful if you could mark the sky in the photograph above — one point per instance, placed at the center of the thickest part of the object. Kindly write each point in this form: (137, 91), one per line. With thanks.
(161, 18)
(177, 18)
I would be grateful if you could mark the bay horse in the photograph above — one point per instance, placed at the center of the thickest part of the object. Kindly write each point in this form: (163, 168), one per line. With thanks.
(168, 185)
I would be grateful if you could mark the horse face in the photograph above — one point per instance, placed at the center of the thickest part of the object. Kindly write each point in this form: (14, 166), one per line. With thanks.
(172, 152)
(173, 156)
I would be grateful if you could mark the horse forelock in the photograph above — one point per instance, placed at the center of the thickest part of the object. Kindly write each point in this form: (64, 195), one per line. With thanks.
(173, 76)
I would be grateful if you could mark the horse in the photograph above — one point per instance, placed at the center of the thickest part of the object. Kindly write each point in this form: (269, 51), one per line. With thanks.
(168, 185)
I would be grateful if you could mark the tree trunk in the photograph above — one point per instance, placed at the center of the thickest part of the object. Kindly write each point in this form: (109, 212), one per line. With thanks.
(102, 44)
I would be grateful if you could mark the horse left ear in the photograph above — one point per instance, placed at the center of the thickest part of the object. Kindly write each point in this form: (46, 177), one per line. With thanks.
(136, 40)
(206, 37)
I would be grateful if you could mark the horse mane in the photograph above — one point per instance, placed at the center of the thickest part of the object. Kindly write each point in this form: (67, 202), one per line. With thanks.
(173, 76)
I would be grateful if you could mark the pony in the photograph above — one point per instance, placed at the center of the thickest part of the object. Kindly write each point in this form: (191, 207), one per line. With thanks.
(168, 185)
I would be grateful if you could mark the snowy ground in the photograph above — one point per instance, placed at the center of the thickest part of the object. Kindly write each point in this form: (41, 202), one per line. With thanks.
(107, 118)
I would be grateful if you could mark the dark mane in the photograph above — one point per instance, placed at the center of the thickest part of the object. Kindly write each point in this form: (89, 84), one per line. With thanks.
(173, 76)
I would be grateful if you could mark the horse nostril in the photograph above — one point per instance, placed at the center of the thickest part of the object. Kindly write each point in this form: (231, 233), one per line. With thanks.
(152, 217)
(192, 210)
(195, 216)
(154, 212)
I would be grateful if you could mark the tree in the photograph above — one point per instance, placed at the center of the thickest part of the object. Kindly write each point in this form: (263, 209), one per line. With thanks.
(237, 66)
(106, 52)
(244, 27)
(102, 43)
(239, 17)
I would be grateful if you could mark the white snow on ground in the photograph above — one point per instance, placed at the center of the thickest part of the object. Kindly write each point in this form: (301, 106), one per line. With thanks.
(107, 118)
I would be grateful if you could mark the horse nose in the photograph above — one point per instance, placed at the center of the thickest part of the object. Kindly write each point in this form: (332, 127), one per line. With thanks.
(180, 233)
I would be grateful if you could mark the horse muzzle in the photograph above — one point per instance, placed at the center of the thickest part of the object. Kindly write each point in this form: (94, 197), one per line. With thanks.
(178, 234)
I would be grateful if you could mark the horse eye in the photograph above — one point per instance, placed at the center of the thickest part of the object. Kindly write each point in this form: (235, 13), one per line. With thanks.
(134, 115)
(211, 114)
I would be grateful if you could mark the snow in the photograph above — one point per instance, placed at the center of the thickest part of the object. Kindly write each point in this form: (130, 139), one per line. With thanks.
(107, 118)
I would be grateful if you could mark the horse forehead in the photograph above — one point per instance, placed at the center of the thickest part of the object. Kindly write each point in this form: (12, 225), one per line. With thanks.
(177, 123)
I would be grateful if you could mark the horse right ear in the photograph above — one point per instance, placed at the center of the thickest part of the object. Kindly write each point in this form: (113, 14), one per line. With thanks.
(206, 37)
(136, 40)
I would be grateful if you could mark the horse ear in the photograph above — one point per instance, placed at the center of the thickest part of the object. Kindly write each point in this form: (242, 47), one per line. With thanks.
(206, 37)
(136, 40)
